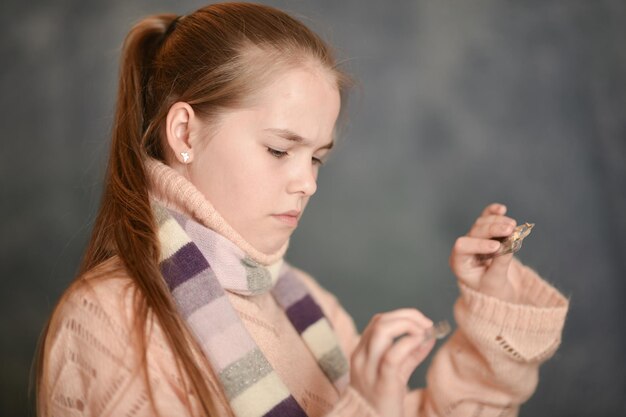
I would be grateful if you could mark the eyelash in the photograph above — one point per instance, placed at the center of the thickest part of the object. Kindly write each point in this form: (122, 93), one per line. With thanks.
(279, 154)
(276, 153)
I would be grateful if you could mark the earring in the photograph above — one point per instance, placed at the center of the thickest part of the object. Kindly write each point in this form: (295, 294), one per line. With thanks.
(185, 156)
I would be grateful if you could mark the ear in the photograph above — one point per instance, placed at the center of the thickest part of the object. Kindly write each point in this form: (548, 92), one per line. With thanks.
(178, 124)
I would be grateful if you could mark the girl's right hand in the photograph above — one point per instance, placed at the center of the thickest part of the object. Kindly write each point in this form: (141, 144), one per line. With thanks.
(381, 364)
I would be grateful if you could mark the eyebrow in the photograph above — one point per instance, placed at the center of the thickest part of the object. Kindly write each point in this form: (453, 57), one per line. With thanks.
(294, 137)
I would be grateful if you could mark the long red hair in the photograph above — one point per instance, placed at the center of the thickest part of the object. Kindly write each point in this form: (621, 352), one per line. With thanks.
(214, 59)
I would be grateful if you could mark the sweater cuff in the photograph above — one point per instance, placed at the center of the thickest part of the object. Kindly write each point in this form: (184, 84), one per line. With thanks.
(351, 403)
(529, 331)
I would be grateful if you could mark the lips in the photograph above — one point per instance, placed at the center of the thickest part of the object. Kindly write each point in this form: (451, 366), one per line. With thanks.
(289, 217)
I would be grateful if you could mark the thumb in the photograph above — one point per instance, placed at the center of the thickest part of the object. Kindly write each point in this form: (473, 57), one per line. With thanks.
(416, 357)
(497, 273)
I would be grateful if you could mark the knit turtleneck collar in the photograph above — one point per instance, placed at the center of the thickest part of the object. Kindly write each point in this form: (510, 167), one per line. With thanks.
(190, 244)
(174, 191)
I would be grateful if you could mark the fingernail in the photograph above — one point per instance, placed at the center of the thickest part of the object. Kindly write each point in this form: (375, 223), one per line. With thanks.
(494, 245)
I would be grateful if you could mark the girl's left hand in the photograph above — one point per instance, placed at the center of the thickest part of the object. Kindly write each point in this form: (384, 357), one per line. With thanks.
(491, 276)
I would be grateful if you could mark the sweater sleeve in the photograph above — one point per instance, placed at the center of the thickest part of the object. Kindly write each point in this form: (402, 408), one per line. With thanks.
(489, 366)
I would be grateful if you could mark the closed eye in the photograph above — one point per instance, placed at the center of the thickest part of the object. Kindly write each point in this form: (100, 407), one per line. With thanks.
(276, 153)
(280, 154)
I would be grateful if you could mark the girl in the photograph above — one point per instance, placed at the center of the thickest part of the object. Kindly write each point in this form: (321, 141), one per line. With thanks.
(184, 305)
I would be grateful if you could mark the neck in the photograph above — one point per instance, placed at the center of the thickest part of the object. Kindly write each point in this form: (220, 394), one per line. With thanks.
(174, 191)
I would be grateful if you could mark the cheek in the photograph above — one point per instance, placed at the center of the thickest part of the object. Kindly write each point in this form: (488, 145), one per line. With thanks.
(243, 185)
(254, 185)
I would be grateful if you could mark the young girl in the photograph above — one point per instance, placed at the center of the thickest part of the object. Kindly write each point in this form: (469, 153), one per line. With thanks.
(184, 305)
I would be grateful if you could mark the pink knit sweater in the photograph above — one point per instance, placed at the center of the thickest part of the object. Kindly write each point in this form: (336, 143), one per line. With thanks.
(488, 367)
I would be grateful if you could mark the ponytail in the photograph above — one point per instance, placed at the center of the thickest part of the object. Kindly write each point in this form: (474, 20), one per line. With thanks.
(125, 225)
(125, 218)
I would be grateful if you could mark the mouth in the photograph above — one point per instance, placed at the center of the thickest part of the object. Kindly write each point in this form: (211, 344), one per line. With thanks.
(290, 217)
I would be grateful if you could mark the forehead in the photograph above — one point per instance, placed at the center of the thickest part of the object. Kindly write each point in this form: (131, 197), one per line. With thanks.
(305, 101)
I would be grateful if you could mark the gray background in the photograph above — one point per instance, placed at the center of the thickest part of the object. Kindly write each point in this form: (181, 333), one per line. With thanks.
(459, 103)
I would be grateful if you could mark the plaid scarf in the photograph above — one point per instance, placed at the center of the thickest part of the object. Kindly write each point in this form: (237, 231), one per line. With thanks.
(199, 265)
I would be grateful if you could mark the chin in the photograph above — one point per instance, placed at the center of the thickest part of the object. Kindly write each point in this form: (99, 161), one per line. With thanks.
(273, 246)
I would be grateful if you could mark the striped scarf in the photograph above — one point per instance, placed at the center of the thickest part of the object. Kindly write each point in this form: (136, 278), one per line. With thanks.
(198, 265)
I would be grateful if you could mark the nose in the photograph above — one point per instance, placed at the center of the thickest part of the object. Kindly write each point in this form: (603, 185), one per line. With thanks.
(303, 180)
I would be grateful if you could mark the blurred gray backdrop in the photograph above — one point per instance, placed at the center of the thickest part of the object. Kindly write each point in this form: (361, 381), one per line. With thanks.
(459, 104)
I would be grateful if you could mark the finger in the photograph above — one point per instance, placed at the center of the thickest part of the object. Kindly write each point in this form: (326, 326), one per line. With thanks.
(408, 313)
(392, 324)
(415, 358)
(358, 359)
(494, 208)
(499, 268)
(491, 230)
(494, 218)
(495, 282)
(394, 357)
(470, 246)
(383, 336)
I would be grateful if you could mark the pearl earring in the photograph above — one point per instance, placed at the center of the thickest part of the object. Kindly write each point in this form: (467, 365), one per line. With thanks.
(185, 156)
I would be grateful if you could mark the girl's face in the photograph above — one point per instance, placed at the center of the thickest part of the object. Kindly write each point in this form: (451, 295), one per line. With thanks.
(258, 166)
